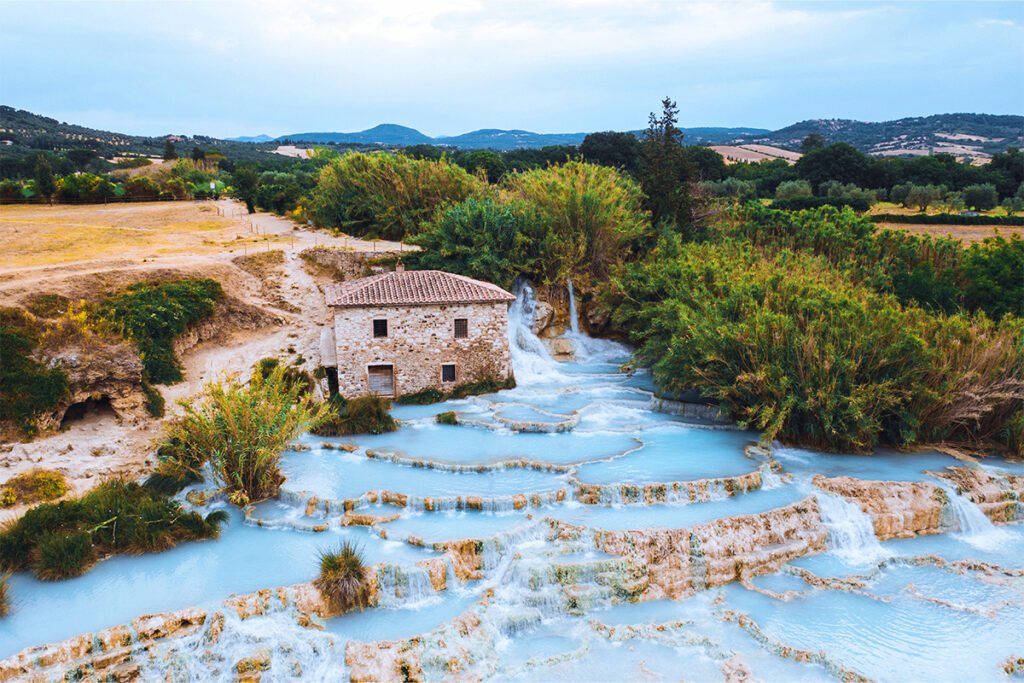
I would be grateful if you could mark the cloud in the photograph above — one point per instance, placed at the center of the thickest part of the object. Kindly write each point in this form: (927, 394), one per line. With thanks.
(449, 65)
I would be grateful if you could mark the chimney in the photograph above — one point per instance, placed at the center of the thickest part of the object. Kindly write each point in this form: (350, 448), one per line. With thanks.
(399, 266)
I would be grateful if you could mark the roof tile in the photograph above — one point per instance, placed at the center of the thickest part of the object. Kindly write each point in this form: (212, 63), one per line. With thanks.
(413, 288)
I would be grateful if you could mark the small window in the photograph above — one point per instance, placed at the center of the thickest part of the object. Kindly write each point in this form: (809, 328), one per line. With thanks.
(448, 372)
(461, 328)
(380, 328)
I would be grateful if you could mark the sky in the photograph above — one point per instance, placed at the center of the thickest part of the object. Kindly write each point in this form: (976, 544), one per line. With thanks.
(244, 67)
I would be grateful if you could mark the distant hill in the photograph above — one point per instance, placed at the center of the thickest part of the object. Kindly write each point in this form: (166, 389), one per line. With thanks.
(386, 134)
(28, 131)
(977, 136)
(970, 135)
(497, 138)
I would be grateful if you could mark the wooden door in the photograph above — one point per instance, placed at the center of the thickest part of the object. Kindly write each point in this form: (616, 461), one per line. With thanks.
(382, 380)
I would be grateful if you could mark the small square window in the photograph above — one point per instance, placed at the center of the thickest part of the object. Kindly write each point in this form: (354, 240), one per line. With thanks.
(380, 328)
(461, 328)
(448, 372)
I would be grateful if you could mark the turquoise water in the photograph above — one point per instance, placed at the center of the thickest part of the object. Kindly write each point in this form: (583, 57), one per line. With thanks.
(550, 607)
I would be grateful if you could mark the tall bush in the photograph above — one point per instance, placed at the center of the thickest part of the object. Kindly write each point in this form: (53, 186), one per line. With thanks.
(387, 195)
(592, 218)
(241, 430)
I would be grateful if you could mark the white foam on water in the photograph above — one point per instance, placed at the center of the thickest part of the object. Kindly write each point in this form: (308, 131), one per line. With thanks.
(974, 526)
(531, 361)
(851, 535)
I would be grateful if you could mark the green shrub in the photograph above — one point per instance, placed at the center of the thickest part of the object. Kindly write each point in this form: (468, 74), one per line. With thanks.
(27, 387)
(153, 314)
(33, 486)
(488, 385)
(48, 305)
(994, 270)
(946, 219)
(361, 415)
(485, 386)
(793, 346)
(387, 195)
(60, 540)
(342, 578)
(241, 431)
(422, 398)
(63, 555)
(1012, 436)
(155, 403)
(447, 418)
(482, 238)
(293, 377)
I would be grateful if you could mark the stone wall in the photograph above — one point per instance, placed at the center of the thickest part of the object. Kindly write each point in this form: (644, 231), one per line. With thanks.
(420, 339)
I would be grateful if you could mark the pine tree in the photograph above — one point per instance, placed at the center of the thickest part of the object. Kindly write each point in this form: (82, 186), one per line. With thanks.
(45, 183)
(170, 154)
(666, 171)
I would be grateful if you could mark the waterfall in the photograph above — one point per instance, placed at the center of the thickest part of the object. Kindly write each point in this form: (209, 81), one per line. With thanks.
(531, 361)
(851, 535)
(972, 524)
(408, 587)
(574, 320)
(589, 349)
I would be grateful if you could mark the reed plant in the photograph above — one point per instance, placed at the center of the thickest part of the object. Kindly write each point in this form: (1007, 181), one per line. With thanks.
(241, 430)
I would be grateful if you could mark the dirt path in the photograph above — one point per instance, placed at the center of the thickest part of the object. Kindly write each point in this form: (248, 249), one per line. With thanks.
(101, 446)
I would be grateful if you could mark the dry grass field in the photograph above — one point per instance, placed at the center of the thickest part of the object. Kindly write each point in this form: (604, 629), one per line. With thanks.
(754, 153)
(967, 233)
(39, 236)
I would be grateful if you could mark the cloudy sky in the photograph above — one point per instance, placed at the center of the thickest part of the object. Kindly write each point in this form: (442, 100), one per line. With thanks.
(245, 67)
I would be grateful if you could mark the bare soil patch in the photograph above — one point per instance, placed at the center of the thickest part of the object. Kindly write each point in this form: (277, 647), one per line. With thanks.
(967, 233)
(56, 254)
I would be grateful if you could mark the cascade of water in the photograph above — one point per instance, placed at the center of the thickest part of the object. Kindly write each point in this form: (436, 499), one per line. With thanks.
(405, 587)
(574, 321)
(974, 527)
(851, 535)
(531, 360)
(589, 349)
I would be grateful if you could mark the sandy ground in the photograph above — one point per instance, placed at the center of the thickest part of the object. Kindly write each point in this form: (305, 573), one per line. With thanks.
(154, 237)
(967, 233)
(292, 151)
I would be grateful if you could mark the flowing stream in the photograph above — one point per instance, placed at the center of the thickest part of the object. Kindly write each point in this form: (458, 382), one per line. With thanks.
(581, 535)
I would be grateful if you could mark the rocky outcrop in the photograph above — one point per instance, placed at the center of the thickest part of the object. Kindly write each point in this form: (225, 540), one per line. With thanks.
(707, 412)
(1000, 496)
(898, 509)
(104, 655)
(404, 660)
(700, 490)
(680, 562)
(98, 368)
(229, 314)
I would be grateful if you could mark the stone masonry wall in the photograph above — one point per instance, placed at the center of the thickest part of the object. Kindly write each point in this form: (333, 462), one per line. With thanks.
(420, 339)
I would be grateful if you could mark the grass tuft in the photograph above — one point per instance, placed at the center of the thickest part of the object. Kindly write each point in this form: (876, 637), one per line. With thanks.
(342, 578)
(61, 540)
(447, 418)
(34, 486)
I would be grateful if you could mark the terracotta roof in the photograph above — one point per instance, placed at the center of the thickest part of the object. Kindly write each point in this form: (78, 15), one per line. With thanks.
(414, 288)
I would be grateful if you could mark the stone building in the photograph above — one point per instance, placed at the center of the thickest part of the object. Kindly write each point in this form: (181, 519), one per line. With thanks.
(402, 332)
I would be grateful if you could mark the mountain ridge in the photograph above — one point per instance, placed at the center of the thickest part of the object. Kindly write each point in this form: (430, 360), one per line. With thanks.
(965, 135)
